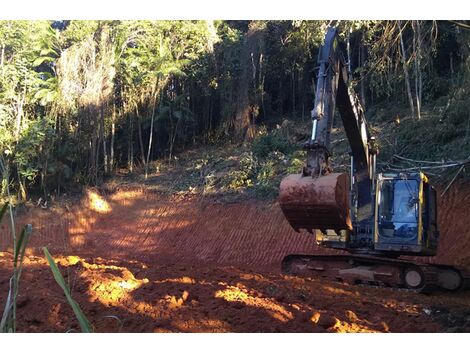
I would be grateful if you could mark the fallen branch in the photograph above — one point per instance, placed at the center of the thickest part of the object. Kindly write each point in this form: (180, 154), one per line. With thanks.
(453, 179)
(435, 164)
(458, 162)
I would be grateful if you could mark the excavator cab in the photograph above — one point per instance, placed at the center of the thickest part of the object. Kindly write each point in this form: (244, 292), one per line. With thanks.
(405, 216)
(403, 220)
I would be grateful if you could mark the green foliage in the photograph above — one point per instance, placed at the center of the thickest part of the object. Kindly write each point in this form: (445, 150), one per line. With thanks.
(30, 148)
(271, 142)
(243, 177)
(297, 162)
(69, 96)
(82, 319)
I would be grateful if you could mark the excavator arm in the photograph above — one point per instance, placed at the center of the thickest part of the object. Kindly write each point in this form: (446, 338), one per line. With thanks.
(333, 89)
(318, 198)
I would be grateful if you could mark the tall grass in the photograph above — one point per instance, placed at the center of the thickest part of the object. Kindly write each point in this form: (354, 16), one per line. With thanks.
(82, 320)
(8, 321)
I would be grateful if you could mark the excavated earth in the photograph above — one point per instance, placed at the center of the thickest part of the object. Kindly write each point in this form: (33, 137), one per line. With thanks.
(136, 261)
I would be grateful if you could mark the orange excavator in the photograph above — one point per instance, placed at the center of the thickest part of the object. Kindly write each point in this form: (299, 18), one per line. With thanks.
(376, 217)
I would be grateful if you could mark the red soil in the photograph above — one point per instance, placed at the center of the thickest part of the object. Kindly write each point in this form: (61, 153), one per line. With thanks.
(138, 263)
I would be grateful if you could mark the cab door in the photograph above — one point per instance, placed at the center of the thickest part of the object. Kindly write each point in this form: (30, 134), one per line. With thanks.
(398, 214)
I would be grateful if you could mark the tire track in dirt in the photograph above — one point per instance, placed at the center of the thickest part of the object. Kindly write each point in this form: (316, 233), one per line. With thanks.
(215, 252)
(146, 226)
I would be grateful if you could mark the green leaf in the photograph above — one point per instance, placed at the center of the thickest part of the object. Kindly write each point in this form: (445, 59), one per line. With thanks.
(4, 323)
(48, 52)
(82, 320)
(22, 243)
(42, 59)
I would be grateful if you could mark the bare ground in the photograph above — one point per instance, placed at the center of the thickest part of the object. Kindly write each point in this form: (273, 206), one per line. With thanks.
(140, 262)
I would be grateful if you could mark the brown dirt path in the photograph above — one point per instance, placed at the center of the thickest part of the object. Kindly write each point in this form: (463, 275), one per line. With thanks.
(138, 262)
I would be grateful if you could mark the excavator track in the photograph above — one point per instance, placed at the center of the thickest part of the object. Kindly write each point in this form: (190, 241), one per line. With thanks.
(378, 271)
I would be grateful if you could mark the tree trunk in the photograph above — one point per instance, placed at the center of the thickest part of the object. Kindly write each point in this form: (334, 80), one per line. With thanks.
(2, 62)
(103, 139)
(139, 132)
(96, 144)
(130, 148)
(451, 65)
(417, 65)
(247, 104)
(262, 75)
(293, 91)
(348, 51)
(21, 182)
(113, 131)
(19, 113)
(5, 170)
(93, 145)
(173, 137)
(362, 60)
(151, 133)
(170, 135)
(405, 70)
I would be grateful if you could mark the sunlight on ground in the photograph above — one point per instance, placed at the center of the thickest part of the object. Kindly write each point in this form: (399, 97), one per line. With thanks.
(180, 280)
(109, 284)
(354, 324)
(78, 240)
(82, 223)
(240, 294)
(402, 307)
(97, 203)
(113, 285)
(126, 198)
(202, 325)
(340, 291)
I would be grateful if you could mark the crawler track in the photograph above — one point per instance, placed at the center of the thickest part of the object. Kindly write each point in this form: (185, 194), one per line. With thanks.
(381, 271)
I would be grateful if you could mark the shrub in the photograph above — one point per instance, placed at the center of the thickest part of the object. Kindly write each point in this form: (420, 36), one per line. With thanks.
(271, 142)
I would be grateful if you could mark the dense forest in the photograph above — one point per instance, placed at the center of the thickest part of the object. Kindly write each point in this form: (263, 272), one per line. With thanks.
(80, 100)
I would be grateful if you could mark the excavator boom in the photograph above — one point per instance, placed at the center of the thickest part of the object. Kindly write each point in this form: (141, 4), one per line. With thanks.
(317, 198)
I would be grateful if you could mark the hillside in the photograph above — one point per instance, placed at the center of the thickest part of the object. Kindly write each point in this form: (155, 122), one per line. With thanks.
(147, 157)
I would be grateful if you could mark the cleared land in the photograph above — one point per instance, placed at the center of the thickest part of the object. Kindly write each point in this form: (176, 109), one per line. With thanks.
(137, 261)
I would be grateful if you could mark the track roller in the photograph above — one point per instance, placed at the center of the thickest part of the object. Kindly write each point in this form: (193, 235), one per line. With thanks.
(414, 278)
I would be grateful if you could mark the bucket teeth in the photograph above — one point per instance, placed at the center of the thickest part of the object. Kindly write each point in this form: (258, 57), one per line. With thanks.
(316, 203)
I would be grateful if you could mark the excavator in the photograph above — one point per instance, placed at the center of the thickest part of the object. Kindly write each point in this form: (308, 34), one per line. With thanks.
(375, 217)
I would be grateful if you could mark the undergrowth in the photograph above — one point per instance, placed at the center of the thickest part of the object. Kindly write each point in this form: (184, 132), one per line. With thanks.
(255, 168)
(252, 169)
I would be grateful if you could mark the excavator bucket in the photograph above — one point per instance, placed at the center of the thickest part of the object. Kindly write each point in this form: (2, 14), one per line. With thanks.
(316, 203)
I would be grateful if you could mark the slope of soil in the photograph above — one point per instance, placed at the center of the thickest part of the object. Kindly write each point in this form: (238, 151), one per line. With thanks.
(139, 262)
